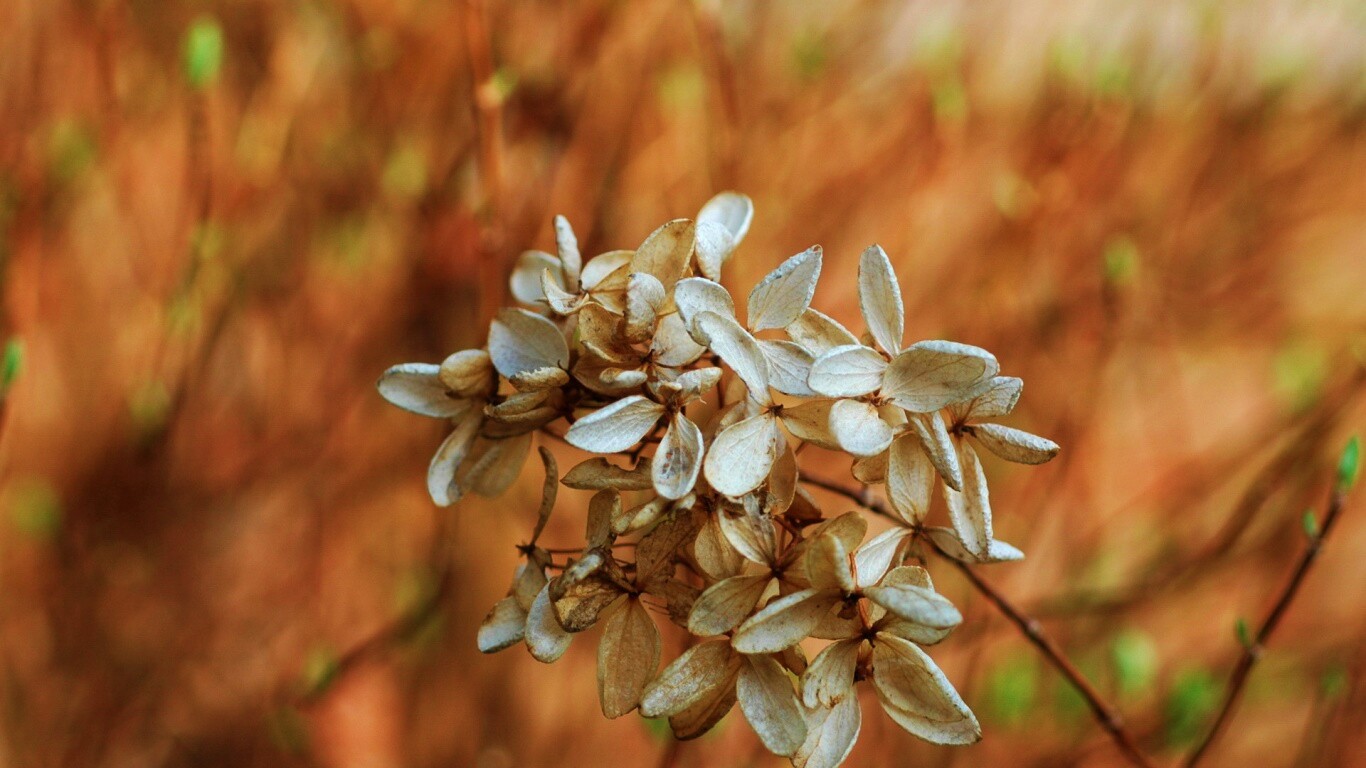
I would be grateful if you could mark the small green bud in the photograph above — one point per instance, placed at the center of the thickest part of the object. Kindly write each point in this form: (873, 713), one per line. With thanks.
(1349, 464)
(12, 364)
(203, 52)
(1241, 631)
(1311, 525)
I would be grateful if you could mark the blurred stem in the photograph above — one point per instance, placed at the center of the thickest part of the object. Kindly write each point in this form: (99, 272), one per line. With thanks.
(1253, 651)
(487, 101)
(1105, 714)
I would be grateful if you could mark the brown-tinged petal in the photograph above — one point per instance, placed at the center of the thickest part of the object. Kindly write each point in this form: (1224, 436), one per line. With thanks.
(921, 634)
(831, 674)
(678, 460)
(852, 370)
(493, 465)
(827, 565)
(529, 579)
(417, 388)
(879, 297)
(539, 379)
(561, 302)
(789, 367)
(656, 550)
(602, 509)
(640, 516)
(615, 427)
(910, 479)
(917, 695)
(666, 253)
(725, 604)
(785, 293)
(878, 554)
(810, 423)
(502, 627)
(672, 345)
(830, 734)
(849, 528)
(695, 383)
(970, 511)
(545, 638)
(454, 450)
(742, 454)
(469, 373)
(753, 536)
(597, 473)
(998, 400)
(603, 265)
(1015, 445)
(707, 712)
(871, 470)
(784, 622)
(770, 705)
(581, 593)
(737, 349)
(782, 480)
(938, 446)
(714, 555)
(930, 375)
(858, 428)
(628, 656)
(549, 490)
(690, 678)
(819, 333)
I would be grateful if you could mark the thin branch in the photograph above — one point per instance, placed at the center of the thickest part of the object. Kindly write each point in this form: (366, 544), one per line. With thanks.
(1253, 650)
(1105, 714)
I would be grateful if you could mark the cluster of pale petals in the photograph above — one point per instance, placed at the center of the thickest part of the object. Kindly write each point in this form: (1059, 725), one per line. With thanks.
(703, 519)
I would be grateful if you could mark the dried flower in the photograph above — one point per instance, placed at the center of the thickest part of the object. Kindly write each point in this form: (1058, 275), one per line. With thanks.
(695, 419)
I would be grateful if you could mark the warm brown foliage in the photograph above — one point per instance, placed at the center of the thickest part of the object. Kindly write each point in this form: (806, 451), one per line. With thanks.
(1155, 217)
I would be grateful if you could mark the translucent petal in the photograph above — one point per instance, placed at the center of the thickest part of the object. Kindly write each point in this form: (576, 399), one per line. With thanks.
(910, 479)
(785, 293)
(690, 678)
(770, 705)
(917, 695)
(848, 371)
(1015, 445)
(831, 674)
(879, 297)
(666, 253)
(725, 604)
(930, 375)
(523, 341)
(858, 429)
(739, 350)
(616, 427)
(417, 388)
(678, 459)
(742, 455)
(628, 656)
(784, 622)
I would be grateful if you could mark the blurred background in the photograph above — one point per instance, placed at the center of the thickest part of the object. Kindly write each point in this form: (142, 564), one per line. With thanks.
(222, 220)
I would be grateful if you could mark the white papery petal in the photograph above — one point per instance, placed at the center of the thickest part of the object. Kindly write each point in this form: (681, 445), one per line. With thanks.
(568, 246)
(599, 267)
(916, 604)
(852, 370)
(879, 296)
(970, 511)
(417, 388)
(503, 627)
(615, 427)
(673, 346)
(644, 297)
(752, 535)
(713, 248)
(830, 677)
(1015, 445)
(739, 350)
(917, 695)
(938, 446)
(678, 459)
(997, 551)
(742, 454)
(731, 210)
(810, 422)
(819, 333)
(930, 375)
(910, 479)
(789, 367)
(696, 295)
(523, 341)
(858, 429)
(526, 276)
(545, 638)
(999, 399)
(830, 735)
(628, 656)
(876, 555)
(689, 678)
(784, 622)
(785, 293)
(725, 604)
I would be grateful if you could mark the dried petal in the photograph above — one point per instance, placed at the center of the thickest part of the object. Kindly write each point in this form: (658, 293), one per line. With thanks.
(770, 705)
(707, 712)
(858, 429)
(819, 333)
(737, 349)
(753, 536)
(827, 565)
(672, 345)
(1015, 445)
(725, 604)
(970, 511)
(469, 373)
(494, 465)
(713, 246)
(539, 379)
(502, 627)
(523, 341)
(666, 253)
(810, 423)
(930, 375)
(715, 557)
(696, 295)
(879, 297)
(784, 622)
(873, 559)
(998, 400)
(526, 276)
(600, 267)
(910, 479)
(645, 297)
(628, 656)
(568, 246)
(946, 541)
(545, 638)
(916, 604)
(678, 459)
(416, 387)
(871, 470)
(785, 293)
(938, 446)
(731, 210)
(918, 696)
(454, 450)
(830, 735)
(690, 678)
(597, 473)
(742, 455)
(831, 675)
(615, 427)
(848, 371)
(789, 367)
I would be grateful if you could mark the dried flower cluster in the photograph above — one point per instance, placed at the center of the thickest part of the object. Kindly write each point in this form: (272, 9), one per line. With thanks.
(703, 520)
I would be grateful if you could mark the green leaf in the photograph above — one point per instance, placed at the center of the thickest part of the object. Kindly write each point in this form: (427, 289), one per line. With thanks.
(1349, 465)
(12, 364)
(1193, 697)
(1241, 632)
(1134, 655)
(203, 52)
